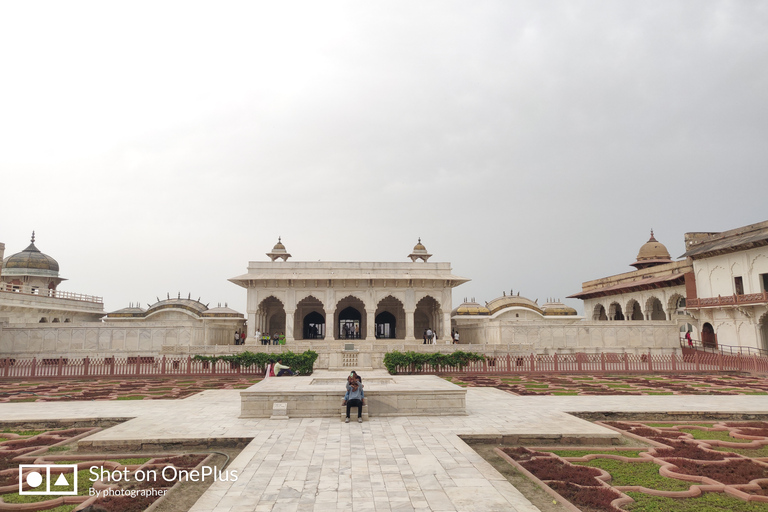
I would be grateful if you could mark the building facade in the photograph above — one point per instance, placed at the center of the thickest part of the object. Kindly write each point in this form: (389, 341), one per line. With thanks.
(654, 291)
(729, 296)
(29, 293)
(349, 300)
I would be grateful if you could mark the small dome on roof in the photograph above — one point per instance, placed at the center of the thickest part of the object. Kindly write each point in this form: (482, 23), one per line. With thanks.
(470, 307)
(130, 311)
(419, 252)
(652, 253)
(30, 261)
(278, 251)
(224, 311)
(511, 301)
(189, 304)
(556, 308)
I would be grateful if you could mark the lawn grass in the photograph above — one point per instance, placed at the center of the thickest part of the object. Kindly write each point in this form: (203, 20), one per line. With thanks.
(754, 392)
(662, 393)
(131, 462)
(581, 453)
(534, 385)
(565, 393)
(131, 397)
(636, 473)
(24, 433)
(719, 435)
(612, 385)
(59, 448)
(747, 452)
(662, 425)
(707, 502)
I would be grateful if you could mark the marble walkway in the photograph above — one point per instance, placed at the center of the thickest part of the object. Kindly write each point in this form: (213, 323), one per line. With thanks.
(385, 464)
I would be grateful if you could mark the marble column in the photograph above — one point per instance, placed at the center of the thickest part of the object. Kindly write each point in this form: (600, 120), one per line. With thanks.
(370, 327)
(289, 326)
(409, 325)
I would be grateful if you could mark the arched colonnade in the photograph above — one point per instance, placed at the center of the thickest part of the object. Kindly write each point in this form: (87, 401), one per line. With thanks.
(351, 318)
(652, 309)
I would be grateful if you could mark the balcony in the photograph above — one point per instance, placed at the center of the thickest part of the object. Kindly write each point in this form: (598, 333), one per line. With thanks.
(728, 300)
(54, 294)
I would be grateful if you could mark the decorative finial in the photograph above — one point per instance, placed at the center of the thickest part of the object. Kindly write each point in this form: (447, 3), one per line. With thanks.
(419, 237)
(33, 237)
(279, 239)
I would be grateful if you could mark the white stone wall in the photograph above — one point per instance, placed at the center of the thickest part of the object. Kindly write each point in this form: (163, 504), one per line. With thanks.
(742, 326)
(96, 338)
(715, 275)
(580, 335)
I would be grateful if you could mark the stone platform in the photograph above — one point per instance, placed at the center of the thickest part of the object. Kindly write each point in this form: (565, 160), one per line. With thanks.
(320, 395)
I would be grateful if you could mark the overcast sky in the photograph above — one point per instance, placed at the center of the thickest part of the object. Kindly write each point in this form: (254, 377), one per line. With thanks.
(158, 147)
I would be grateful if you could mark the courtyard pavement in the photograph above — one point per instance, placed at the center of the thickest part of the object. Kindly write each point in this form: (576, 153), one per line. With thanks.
(385, 464)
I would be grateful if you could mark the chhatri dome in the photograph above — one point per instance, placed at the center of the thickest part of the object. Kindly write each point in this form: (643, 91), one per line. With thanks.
(652, 253)
(419, 252)
(31, 262)
(470, 307)
(278, 251)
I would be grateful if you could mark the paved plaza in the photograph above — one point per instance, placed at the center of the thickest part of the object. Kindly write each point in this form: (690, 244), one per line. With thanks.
(384, 464)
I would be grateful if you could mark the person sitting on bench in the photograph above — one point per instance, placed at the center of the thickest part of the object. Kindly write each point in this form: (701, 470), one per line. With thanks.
(355, 390)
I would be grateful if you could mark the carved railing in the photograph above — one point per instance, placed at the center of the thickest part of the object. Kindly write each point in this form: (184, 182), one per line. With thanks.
(728, 300)
(54, 294)
(724, 349)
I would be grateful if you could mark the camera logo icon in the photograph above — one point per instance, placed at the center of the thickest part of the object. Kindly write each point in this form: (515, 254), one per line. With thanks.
(48, 479)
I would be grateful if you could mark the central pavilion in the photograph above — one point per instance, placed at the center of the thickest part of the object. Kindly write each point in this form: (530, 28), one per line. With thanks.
(349, 300)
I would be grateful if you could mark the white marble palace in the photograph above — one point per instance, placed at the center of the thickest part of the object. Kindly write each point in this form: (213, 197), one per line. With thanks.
(349, 300)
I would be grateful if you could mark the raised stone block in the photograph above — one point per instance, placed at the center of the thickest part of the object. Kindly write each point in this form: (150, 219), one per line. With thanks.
(279, 411)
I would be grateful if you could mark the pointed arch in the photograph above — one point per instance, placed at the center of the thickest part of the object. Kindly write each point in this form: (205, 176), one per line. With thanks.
(598, 313)
(675, 302)
(390, 318)
(615, 312)
(654, 309)
(271, 312)
(427, 315)
(309, 319)
(634, 311)
(350, 318)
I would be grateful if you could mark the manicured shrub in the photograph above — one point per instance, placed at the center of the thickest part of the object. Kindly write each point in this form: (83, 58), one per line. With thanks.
(690, 451)
(519, 453)
(303, 363)
(556, 469)
(592, 498)
(731, 472)
(395, 360)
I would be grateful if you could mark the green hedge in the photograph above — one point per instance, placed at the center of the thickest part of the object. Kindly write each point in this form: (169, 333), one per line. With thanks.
(304, 362)
(417, 360)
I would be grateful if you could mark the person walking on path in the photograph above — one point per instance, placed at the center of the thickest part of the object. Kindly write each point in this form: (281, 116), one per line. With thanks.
(355, 391)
